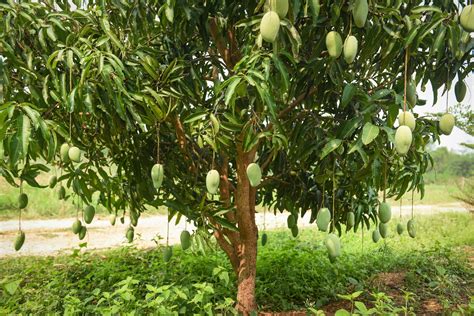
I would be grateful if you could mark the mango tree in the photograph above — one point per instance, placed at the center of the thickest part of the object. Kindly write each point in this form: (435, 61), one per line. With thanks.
(305, 92)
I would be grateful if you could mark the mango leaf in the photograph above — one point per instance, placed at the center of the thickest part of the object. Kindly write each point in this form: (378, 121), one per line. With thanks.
(369, 133)
(332, 145)
(347, 94)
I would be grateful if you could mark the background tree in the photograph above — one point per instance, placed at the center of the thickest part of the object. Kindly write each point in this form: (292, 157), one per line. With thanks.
(191, 85)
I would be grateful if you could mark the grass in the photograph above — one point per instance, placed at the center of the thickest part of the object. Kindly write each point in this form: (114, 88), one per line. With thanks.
(293, 273)
(43, 203)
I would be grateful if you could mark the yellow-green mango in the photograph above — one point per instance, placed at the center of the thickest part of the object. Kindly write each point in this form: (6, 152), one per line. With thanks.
(64, 152)
(350, 49)
(385, 212)
(270, 26)
(383, 230)
(22, 200)
(19, 240)
(403, 139)
(157, 175)
(460, 90)
(360, 12)
(446, 124)
(333, 245)
(112, 219)
(76, 226)
(254, 174)
(89, 213)
(350, 220)
(334, 44)
(74, 154)
(130, 234)
(185, 239)
(280, 7)
(467, 18)
(323, 218)
(212, 181)
(407, 119)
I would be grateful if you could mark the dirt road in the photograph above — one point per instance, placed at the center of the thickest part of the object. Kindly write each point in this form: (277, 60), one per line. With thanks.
(48, 237)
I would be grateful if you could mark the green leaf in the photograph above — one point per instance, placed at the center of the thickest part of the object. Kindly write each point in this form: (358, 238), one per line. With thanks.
(369, 133)
(332, 145)
(229, 94)
(347, 94)
(12, 287)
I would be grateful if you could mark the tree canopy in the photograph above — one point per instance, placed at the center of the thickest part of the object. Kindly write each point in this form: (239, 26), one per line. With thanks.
(192, 85)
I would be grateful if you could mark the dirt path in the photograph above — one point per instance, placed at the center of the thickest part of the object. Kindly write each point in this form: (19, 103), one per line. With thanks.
(47, 237)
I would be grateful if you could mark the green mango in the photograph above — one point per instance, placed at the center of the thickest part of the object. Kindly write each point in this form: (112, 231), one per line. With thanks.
(212, 181)
(407, 119)
(185, 239)
(411, 228)
(400, 228)
(280, 7)
(254, 174)
(82, 232)
(350, 222)
(76, 226)
(270, 26)
(460, 90)
(334, 44)
(264, 239)
(22, 200)
(89, 213)
(64, 152)
(112, 219)
(19, 240)
(375, 235)
(291, 221)
(385, 212)
(130, 234)
(383, 230)
(446, 124)
(333, 245)
(53, 181)
(74, 154)
(167, 253)
(360, 12)
(157, 175)
(323, 218)
(61, 193)
(294, 231)
(350, 49)
(467, 18)
(411, 93)
(134, 218)
(403, 139)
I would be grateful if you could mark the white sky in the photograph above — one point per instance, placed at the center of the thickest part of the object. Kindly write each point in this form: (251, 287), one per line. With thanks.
(452, 142)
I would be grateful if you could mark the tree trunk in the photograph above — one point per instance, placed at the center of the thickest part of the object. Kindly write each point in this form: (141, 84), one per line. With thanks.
(247, 248)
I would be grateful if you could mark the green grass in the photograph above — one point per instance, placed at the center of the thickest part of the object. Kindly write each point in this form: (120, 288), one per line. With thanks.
(293, 273)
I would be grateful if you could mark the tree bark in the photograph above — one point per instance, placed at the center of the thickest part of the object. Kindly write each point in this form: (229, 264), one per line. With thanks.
(247, 249)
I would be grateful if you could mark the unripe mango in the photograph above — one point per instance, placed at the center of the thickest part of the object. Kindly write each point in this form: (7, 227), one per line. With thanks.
(130, 234)
(360, 12)
(334, 44)
(64, 152)
(212, 181)
(254, 174)
(407, 119)
(376, 235)
(467, 18)
(82, 232)
(157, 175)
(112, 219)
(350, 49)
(270, 26)
(76, 226)
(385, 212)
(400, 228)
(383, 230)
(315, 8)
(350, 220)
(403, 139)
(89, 213)
(460, 90)
(53, 181)
(74, 154)
(333, 245)
(323, 218)
(294, 231)
(280, 7)
(19, 240)
(411, 228)
(264, 239)
(22, 200)
(185, 239)
(291, 221)
(61, 192)
(446, 124)
(167, 253)
(411, 93)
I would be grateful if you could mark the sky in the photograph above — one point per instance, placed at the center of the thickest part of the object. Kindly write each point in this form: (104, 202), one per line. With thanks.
(453, 141)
